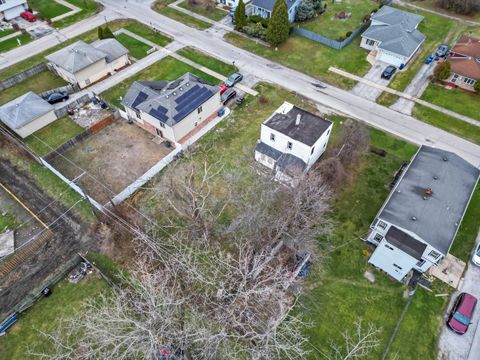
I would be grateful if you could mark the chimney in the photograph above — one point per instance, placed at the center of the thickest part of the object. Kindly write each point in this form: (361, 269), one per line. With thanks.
(428, 192)
(297, 121)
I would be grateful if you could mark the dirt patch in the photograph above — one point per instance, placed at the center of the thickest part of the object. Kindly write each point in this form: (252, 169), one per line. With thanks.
(107, 162)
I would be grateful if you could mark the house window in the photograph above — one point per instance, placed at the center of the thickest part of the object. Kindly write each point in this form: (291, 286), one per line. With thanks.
(159, 132)
(434, 254)
(328, 132)
(371, 42)
(162, 125)
(137, 113)
(398, 267)
(389, 247)
(379, 237)
(420, 263)
(382, 225)
(272, 137)
(454, 78)
(196, 123)
(468, 81)
(199, 110)
(289, 145)
(313, 149)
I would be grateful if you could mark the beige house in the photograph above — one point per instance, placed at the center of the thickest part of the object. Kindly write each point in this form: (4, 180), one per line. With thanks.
(27, 114)
(85, 64)
(174, 109)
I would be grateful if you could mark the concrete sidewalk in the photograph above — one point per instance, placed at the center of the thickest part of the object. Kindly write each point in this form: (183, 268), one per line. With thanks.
(74, 9)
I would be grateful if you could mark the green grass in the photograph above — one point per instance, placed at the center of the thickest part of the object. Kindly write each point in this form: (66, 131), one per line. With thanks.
(447, 123)
(53, 135)
(136, 48)
(12, 43)
(46, 80)
(161, 6)
(6, 32)
(311, 58)
(7, 221)
(89, 8)
(459, 101)
(147, 33)
(46, 314)
(432, 5)
(203, 59)
(328, 25)
(214, 14)
(165, 69)
(387, 99)
(48, 9)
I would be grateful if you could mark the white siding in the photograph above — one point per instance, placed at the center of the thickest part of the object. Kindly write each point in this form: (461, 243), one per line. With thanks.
(265, 160)
(37, 124)
(392, 260)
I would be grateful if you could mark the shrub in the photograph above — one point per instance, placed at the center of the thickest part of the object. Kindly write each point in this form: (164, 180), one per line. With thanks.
(305, 11)
(442, 70)
(263, 99)
(477, 86)
(255, 19)
(348, 34)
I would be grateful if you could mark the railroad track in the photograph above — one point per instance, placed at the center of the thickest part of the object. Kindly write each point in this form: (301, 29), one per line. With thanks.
(24, 252)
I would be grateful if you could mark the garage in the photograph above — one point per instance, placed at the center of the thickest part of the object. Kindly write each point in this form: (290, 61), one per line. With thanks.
(13, 12)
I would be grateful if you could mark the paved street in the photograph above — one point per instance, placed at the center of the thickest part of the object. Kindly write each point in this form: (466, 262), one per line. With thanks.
(374, 75)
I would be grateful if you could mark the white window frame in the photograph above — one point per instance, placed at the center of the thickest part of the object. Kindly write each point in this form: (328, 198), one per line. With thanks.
(434, 254)
(382, 225)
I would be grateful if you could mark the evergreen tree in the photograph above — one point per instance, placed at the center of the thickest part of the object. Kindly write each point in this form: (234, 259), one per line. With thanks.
(240, 16)
(305, 11)
(107, 33)
(477, 86)
(100, 32)
(279, 26)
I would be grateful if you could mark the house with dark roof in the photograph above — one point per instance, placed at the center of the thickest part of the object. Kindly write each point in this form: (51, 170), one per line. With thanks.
(291, 141)
(464, 59)
(27, 114)
(172, 109)
(393, 36)
(264, 8)
(84, 64)
(415, 228)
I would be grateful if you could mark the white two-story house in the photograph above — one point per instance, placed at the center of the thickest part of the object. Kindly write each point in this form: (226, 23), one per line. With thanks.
(172, 110)
(418, 223)
(10, 9)
(291, 141)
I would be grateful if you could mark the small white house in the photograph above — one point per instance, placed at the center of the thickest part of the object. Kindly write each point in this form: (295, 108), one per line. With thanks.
(27, 114)
(393, 36)
(84, 64)
(419, 221)
(291, 141)
(10, 9)
(172, 110)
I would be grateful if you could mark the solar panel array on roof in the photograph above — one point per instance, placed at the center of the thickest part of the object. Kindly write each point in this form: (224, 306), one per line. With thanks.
(139, 99)
(192, 102)
(185, 96)
(160, 113)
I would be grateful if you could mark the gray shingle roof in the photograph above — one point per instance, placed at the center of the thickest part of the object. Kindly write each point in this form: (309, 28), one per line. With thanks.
(437, 218)
(397, 33)
(268, 4)
(169, 102)
(287, 163)
(23, 110)
(80, 55)
(268, 150)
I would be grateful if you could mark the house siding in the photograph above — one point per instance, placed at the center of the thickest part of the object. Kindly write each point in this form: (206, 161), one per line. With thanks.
(12, 9)
(459, 80)
(37, 124)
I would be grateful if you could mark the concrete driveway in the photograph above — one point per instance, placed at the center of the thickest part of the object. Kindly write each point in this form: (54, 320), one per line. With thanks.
(374, 75)
(467, 346)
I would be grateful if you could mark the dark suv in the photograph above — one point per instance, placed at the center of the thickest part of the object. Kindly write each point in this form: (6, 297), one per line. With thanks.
(56, 97)
(462, 312)
(388, 72)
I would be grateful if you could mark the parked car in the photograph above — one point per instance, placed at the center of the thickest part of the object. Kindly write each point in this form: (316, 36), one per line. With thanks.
(231, 13)
(476, 256)
(223, 88)
(442, 51)
(461, 313)
(227, 95)
(27, 15)
(57, 97)
(388, 72)
(233, 79)
(429, 59)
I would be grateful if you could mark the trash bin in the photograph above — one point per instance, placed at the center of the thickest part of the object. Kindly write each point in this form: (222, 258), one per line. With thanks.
(221, 112)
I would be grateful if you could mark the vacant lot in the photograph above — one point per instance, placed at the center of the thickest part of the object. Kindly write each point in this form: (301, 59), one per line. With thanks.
(209, 11)
(162, 7)
(113, 158)
(328, 24)
(136, 48)
(148, 33)
(89, 8)
(432, 5)
(48, 9)
(203, 59)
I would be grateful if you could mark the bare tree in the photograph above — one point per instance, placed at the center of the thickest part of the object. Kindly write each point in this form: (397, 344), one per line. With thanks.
(357, 345)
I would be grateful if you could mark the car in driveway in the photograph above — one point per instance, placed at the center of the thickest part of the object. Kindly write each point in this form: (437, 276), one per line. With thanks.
(388, 72)
(476, 256)
(57, 97)
(429, 59)
(461, 314)
(223, 88)
(27, 15)
(227, 95)
(441, 51)
(233, 79)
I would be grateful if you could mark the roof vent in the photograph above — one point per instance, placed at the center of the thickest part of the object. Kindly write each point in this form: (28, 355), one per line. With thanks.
(445, 158)
(181, 88)
(414, 218)
(187, 84)
(435, 177)
(174, 93)
(166, 96)
(297, 121)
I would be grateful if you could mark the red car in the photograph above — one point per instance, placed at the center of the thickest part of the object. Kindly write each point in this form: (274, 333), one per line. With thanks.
(223, 88)
(462, 312)
(27, 15)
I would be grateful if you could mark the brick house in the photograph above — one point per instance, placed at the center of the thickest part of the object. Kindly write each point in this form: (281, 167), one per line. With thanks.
(464, 59)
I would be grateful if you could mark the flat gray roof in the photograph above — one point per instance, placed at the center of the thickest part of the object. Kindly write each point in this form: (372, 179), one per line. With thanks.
(434, 218)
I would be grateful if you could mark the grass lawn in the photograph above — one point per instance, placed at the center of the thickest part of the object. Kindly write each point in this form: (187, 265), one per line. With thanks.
(46, 314)
(432, 5)
(461, 102)
(12, 43)
(6, 32)
(447, 123)
(311, 58)
(203, 59)
(161, 6)
(149, 34)
(46, 80)
(89, 7)
(214, 14)
(53, 135)
(328, 25)
(165, 69)
(48, 9)
(136, 48)
(7, 221)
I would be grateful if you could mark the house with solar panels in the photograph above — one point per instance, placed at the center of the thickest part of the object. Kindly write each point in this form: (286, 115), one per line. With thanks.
(415, 228)
(172, 109)
(291, 141)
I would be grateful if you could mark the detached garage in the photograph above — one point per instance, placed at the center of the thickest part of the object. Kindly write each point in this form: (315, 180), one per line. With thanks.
(27, 114)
